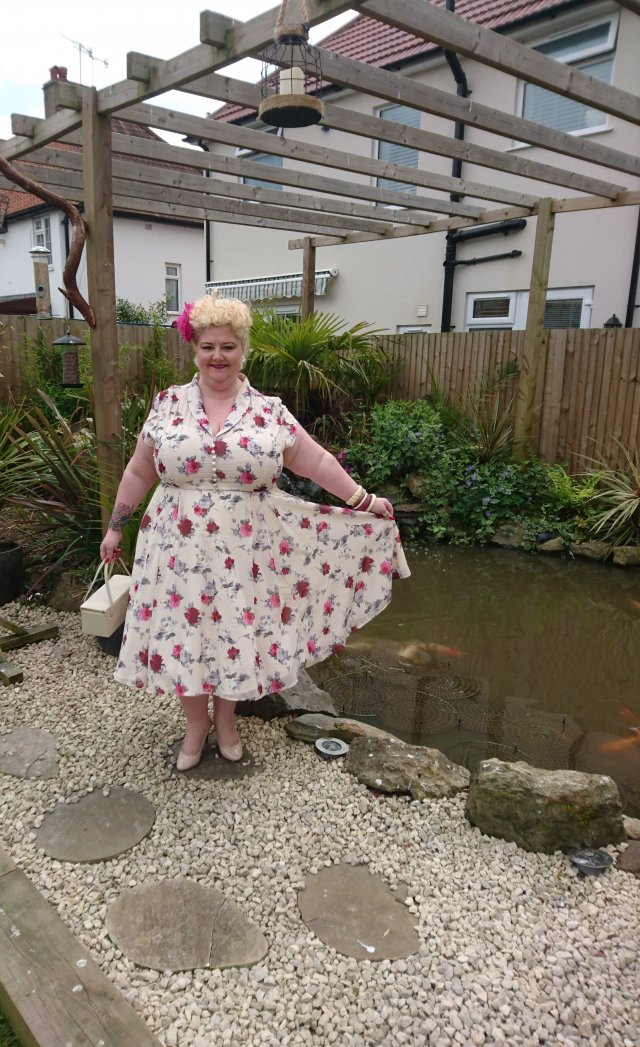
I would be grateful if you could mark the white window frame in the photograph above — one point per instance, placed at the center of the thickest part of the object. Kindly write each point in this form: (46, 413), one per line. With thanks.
(390, 183)
(516, 319)
(575, 59)
(175, 278)
(41, 235)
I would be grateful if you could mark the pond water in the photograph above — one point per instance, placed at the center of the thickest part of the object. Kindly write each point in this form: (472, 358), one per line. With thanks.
(492, 652)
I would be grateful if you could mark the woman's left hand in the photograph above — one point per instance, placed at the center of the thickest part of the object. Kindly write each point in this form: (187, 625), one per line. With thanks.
(382, 507)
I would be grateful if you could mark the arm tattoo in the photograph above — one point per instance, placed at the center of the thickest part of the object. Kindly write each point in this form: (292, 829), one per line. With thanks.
(120, 516)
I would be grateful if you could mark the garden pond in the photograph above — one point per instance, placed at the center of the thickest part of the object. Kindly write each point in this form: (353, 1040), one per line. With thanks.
(492, 652)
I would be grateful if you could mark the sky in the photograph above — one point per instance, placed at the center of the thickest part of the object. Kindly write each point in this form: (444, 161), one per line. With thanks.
(38, 34)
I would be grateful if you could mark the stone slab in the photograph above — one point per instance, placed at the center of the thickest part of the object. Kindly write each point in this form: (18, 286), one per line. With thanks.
(180, 925)
(214, 768)
(97, 827)
(28, 752)
(311, 726)
(51, 990)
(357, 914)
(390, 766)
(629, 860)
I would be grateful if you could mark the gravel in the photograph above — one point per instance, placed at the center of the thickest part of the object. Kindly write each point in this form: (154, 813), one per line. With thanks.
(516, 948)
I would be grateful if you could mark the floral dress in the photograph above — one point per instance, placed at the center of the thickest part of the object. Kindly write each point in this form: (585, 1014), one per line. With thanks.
(237, 585)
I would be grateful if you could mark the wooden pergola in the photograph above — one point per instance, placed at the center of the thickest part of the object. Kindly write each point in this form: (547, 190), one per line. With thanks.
(112, 170)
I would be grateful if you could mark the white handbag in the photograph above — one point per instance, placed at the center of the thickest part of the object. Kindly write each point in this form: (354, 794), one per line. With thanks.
(104, 610)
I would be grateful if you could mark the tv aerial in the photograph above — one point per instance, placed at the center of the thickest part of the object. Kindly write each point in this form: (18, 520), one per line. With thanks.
(88, 51)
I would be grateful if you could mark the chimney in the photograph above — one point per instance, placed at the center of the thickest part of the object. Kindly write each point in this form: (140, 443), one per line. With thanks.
(56, 73)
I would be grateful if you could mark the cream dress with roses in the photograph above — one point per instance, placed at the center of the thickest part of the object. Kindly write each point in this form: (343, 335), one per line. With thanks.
(236, 585)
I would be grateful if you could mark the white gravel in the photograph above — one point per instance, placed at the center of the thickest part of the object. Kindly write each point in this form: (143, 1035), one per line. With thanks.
(515, 948)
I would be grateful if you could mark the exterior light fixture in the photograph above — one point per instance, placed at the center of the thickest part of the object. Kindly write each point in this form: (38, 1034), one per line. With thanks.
(613, 321)
(285, 102)
(69, 346)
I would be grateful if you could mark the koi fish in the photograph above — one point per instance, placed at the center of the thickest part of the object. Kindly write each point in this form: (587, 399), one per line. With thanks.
(616, 745)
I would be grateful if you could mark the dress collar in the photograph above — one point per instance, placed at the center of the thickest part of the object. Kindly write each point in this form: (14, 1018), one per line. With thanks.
(240, 406)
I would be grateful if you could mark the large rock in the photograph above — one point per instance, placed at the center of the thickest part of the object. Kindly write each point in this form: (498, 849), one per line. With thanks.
(311, 726)
(627, 555)
(591, 550)
(304, 697)
(418, 485)
(393, 767)
(509, 535)
(67, 593)
(544, 811)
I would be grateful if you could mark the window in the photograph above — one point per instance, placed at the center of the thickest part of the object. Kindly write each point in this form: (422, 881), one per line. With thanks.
(398, 154)
(41, 235)
(590, 49)
(172, 287)
(263, 158)
(565, 307)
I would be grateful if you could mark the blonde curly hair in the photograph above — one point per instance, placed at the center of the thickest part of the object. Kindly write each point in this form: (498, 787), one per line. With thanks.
(211, 311)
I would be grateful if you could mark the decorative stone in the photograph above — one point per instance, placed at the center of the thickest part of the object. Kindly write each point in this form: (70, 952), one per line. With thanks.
(509, 535)
(178, 925)
(97, 827)
(627, 555)
(418, 485)
(304, 697)
(591, 550)
(393, 767)
(552, 545)
(28, 752)
(631, 827)
(544, 811)
(311, 726)
(214, 768)
(355, 913)
(629, 860)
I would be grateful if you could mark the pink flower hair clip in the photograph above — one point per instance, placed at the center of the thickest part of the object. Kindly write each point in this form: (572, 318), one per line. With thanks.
(183, 323)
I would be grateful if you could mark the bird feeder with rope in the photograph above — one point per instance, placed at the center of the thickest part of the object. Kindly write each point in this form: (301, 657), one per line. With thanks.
(285, 102)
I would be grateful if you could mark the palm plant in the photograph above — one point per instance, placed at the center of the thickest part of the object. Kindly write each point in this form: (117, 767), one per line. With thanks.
(481, 424)
(309, 362)
(616, 516)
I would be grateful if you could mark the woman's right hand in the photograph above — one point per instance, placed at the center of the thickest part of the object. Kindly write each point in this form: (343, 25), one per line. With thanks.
(110, 547)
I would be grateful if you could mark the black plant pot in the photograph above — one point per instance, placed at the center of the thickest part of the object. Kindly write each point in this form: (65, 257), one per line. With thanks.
(11, 571)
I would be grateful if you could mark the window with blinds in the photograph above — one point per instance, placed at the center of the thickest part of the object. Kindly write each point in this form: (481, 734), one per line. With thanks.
(592, 50)
(563, 312)
(398, 154)
(264, 158)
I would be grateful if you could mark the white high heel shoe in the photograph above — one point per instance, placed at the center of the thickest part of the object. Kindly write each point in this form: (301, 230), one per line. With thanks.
(186, 761)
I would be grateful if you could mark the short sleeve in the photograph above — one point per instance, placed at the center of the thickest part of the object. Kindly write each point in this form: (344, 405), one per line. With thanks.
(149, 431)
(290, 426)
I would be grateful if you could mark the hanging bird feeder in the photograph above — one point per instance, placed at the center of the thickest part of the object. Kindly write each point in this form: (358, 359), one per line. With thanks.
(285, 102)
(69, 346)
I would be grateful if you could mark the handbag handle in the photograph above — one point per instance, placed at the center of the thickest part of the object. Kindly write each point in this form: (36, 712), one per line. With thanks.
(107, 570)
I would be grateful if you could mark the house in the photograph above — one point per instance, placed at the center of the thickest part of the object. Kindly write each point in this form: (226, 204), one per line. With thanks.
(156, 257)
(404, 284)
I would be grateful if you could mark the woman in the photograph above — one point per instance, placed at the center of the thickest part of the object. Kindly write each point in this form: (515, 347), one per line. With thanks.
(237, 585)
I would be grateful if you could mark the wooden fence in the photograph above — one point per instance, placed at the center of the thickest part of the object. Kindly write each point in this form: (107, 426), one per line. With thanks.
(588, 384)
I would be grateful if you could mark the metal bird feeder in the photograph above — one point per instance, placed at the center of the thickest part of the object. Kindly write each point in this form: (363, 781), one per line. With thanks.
(69, 346)
(285, 102)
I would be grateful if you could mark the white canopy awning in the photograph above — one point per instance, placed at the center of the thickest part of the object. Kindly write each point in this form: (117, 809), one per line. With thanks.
(264, 288)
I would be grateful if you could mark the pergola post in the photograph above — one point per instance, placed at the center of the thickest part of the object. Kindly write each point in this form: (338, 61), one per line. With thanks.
(96, 134)
(534, 331)
(308, 277)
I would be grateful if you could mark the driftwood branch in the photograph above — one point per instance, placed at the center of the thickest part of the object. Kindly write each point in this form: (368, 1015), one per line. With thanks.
(70, 290)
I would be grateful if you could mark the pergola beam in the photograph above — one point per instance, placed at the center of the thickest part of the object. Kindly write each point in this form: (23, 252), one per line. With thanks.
(631, 5)
(428, 99)
(451, 31)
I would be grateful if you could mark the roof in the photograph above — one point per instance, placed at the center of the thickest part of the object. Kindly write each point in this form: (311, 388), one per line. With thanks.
(368, 40)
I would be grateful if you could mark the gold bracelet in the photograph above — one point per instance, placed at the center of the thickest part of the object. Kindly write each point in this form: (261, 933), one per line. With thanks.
(356, 496)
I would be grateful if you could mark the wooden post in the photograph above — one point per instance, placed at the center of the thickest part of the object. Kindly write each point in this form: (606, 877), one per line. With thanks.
(534, 331)
(308, 277)
(96, 133)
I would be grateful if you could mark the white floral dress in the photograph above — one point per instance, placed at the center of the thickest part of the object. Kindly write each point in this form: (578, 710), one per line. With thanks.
(237, 585)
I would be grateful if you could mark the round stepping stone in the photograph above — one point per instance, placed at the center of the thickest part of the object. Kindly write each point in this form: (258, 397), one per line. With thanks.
(213, 766)
(28, 752)
(355, 912)
(178, 925)
(97, 826)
